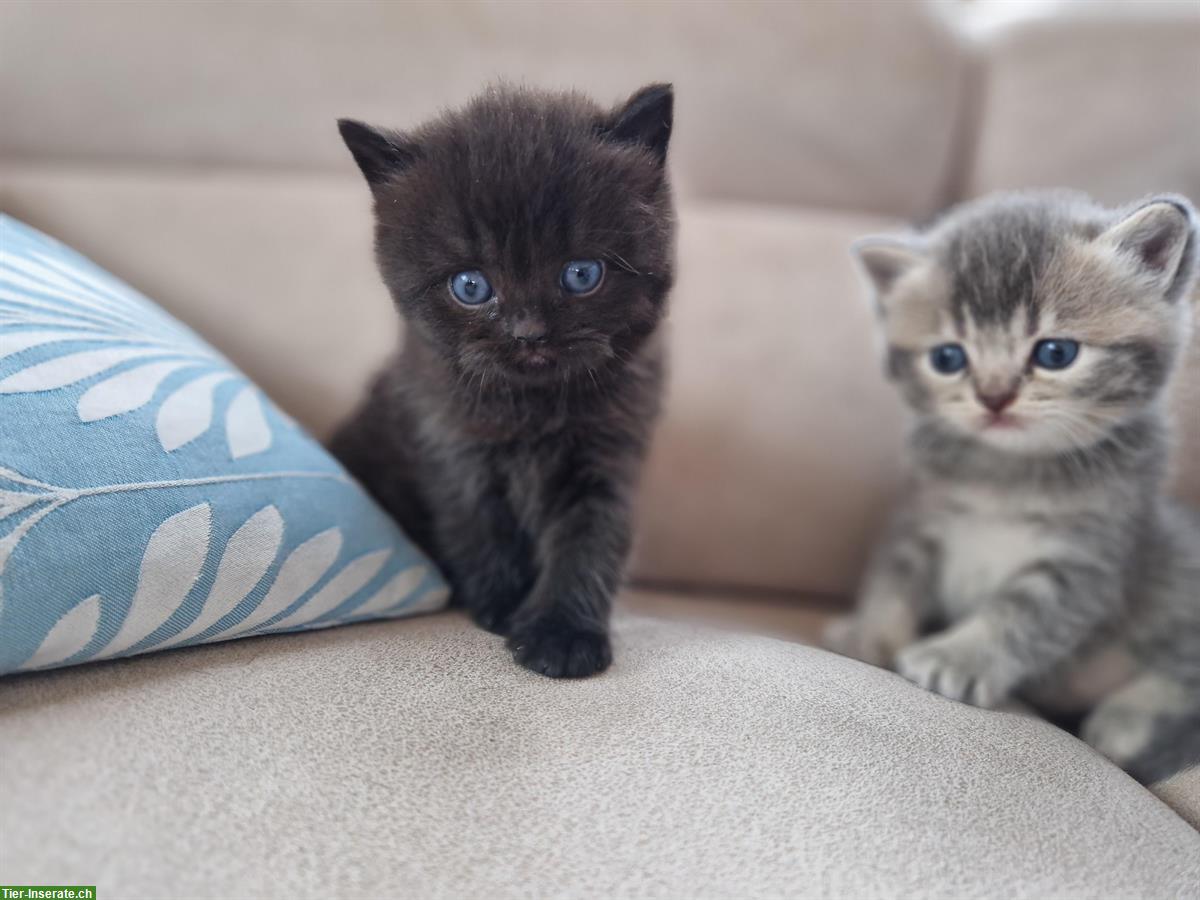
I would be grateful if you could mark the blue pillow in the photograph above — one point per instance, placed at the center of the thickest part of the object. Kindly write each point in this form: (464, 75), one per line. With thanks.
(150, 496)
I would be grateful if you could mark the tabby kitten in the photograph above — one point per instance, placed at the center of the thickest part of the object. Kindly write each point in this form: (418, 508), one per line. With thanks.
(1034, 336)
(527, 241)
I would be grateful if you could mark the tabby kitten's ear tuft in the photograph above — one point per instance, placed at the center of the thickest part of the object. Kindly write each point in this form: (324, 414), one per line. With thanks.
(379, 153)
(1160, 237)
(646, 119)
(885, 260)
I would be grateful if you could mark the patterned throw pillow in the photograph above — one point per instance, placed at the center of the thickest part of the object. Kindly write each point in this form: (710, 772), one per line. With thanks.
(150, 496)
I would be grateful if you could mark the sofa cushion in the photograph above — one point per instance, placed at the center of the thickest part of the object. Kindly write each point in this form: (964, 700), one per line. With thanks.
(415, 758)
(849, 105)
(150, 496)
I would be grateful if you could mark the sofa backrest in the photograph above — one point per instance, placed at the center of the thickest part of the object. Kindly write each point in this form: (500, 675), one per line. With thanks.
(828, 104)
(1104, 97)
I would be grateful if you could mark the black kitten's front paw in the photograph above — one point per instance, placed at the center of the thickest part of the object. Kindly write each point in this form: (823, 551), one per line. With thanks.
(495, 619)
(490, 610)
(558, 650)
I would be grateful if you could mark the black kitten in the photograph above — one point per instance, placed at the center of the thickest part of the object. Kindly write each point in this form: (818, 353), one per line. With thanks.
(528, 242)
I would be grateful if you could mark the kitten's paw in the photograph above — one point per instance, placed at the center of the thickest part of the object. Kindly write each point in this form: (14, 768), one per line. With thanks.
(492, 610)
(850, 636)
(495, 619)
(560, 651)
(842, 636)
(873, 636)
(1123, 725)
(957, 664)
(1118, 732)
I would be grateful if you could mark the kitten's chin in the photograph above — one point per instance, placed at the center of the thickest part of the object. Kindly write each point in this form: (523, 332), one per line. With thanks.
(531, 371)
(1025, 436)
(1008, 433)
(1014, 437)
(539, 364)
(1005, 431)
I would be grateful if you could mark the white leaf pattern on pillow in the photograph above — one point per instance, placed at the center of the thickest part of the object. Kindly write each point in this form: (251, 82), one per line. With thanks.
(340, 588)
(177, 550)
(395, 592)
(9, 316)
(246, 428)
(126, 391)
(71, 368)
(171, 565)
(104, 289)
(306, 565)
(15, 501)
(55, 283)
(53, 307)
(78, 347)
(13, 342)
(187, 413)
(248, 555)
(433, 599)
(70, 634)
(52, 299)
(71, 306)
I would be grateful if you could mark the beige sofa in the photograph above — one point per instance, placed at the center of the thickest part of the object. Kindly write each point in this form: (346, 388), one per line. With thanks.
(190, 148)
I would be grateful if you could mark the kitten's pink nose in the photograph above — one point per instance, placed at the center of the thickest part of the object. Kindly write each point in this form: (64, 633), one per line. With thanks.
(527, 330)
(997, 402)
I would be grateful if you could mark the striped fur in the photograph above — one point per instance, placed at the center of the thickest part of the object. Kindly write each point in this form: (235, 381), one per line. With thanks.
(1035, 552)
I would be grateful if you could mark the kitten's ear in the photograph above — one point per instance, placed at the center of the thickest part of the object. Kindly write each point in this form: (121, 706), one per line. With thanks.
(1160, 237)
(380, 154)
(885, 260)
(646, 119)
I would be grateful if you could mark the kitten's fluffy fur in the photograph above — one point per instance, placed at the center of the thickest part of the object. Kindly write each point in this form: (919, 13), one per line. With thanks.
(506, 437)
(1034, 551)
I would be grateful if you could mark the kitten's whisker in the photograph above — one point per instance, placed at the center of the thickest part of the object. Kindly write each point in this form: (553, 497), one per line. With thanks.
(623, 262)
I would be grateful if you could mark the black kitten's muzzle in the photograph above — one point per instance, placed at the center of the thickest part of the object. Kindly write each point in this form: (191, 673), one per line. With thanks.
(533, 356)
(539, 357)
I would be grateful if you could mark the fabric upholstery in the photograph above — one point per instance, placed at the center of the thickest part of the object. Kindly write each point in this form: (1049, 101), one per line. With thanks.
(150, 496)
(415, 759)
(844, 105)
(782, 443)
(1102, 98)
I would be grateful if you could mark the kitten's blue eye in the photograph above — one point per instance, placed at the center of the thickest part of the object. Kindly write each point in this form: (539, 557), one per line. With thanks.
(582, 276)
(471, 288)
(1055, 354)
(948, 358)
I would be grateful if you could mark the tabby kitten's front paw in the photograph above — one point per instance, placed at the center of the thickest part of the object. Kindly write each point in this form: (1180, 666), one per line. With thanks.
(961, 664)
(870, 636)
(558, 650)
(850, 636)
(841, 636)
(1118, 732)
(1123, 725)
